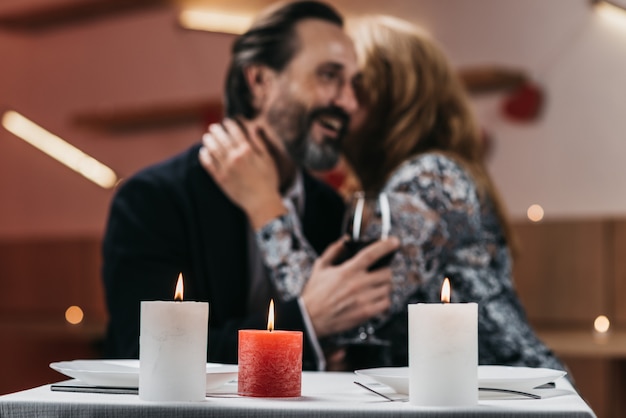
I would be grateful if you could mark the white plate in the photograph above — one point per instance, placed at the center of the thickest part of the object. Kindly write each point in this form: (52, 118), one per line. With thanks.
(516, 378)
(501, 377)
(125, 373)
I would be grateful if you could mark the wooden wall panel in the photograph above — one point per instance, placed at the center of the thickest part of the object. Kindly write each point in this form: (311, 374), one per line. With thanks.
(592, 380)
(618, 388)
(568, 272)
(45, 276)
(25, 354)
(562, 272)
(618, 297)
(39, 279)
(601, 383)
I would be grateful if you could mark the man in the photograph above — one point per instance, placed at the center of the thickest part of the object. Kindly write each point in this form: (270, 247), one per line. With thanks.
(290, 83)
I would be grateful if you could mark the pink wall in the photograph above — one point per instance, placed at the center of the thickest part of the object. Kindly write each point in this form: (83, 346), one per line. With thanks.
(570, 160)
(131, 61)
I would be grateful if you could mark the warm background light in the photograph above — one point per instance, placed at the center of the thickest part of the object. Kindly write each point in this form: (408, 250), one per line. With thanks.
(535, 213)
(211, 21)
(612, 14)
(74, 315)
(59, 149)
(601, 324)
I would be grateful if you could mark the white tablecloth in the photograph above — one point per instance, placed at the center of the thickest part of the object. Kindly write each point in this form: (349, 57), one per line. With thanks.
(323, 395)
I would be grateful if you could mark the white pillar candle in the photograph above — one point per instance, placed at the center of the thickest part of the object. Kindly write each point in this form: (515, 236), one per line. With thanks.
(443, 354)
(173, 351)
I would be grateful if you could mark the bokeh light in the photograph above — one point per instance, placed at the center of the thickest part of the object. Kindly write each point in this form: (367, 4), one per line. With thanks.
(74, 315)
(601, 324)
(535, 213)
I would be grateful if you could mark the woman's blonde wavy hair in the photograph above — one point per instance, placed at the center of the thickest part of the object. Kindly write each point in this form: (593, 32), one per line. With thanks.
(415, 103)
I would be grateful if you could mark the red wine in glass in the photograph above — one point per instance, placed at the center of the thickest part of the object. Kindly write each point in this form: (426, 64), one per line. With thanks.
(367, 220)
(351, 247)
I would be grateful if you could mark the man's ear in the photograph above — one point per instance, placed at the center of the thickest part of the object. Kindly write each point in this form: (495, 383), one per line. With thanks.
(259, 79)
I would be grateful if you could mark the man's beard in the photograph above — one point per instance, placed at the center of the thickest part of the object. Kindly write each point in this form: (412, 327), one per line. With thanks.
(293, 123)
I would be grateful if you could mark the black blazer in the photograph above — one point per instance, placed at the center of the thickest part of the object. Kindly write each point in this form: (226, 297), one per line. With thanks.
(171, 218)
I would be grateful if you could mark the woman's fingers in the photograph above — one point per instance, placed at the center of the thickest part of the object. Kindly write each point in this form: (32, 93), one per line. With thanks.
(331, 253)
(228, 140)
(374, 252)
(208, 158)
(223, 144)
(220, 140)
(213, 153)
(237, 135)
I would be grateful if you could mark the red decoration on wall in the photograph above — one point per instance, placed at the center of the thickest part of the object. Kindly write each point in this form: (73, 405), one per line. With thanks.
(525, 102)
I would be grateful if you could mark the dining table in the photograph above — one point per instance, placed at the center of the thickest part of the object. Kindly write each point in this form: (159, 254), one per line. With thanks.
(324, 394)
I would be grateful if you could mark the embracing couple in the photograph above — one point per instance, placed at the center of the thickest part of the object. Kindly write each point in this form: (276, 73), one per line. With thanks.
(243, 220)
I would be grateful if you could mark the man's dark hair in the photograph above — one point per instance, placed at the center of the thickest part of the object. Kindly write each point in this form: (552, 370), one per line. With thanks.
(271, 41)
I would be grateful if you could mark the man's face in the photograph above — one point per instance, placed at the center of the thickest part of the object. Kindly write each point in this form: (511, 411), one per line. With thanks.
(310, 102)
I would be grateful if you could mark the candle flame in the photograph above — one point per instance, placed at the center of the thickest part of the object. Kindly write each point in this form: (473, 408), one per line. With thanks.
(178, 295)
(270, 317)
(445, 291)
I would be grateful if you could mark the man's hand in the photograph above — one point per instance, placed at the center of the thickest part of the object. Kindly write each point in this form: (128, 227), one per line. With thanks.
(338, 298)
(241, 165)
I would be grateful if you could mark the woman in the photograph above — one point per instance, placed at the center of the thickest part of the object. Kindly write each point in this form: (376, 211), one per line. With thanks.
(415, 139)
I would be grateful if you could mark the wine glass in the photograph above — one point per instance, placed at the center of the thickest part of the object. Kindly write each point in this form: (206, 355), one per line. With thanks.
(367, 220)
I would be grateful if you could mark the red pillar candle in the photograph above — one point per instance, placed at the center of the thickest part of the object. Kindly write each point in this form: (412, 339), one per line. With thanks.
(270, 362)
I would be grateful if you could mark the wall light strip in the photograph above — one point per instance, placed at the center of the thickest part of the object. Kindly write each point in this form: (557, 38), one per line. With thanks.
(59, 149)
(618, 4)
(206, 20)
(614, 15)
